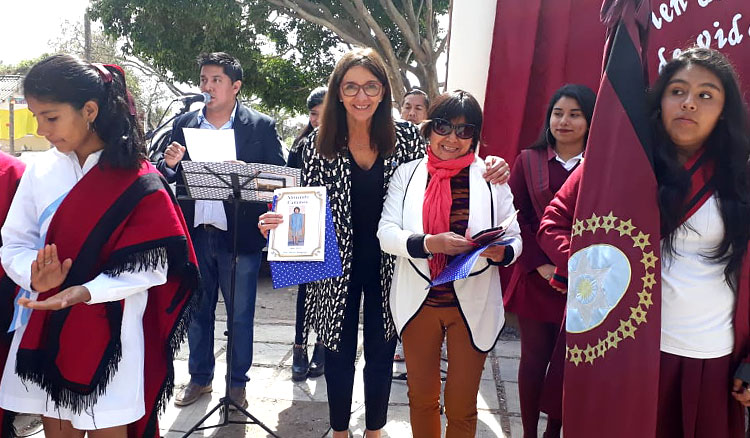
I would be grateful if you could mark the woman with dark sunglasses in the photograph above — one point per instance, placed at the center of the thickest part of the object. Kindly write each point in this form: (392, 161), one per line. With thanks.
(353, 154)
(538, 173)
(432, 204)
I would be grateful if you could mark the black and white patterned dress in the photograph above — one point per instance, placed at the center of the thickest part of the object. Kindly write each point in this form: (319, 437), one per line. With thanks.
(326, 299)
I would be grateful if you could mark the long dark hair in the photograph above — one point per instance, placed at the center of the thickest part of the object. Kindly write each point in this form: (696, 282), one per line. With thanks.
(333, 130)
(729, 148)
(66, 79)
(586, 99)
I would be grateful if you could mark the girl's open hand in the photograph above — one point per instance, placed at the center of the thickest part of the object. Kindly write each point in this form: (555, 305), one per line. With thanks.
(61, 300)
(46, 271)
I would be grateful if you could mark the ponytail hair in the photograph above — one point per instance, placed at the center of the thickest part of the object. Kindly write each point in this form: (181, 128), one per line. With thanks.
(67, 79)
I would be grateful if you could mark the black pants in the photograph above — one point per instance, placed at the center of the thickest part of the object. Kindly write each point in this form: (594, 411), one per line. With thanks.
(378, 352)
(300, 335)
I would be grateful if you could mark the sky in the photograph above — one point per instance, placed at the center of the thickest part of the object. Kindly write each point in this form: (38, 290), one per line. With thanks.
(29, 25)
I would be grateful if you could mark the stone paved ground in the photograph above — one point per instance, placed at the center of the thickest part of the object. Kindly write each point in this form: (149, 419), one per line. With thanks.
(300, 410)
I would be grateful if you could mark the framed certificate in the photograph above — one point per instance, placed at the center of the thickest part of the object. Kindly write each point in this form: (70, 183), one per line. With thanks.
(301, 236)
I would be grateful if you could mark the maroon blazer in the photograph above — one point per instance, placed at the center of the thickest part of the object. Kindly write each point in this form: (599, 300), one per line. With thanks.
(528, 294)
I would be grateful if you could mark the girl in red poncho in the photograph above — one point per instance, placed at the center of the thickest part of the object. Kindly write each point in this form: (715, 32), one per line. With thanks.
(102, 257)
(701, 166)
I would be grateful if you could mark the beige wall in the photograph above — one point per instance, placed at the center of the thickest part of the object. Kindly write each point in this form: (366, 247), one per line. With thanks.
(28, 143)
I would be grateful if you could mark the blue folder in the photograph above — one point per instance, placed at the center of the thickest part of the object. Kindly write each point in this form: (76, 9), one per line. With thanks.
(284, 274)
(460, 267)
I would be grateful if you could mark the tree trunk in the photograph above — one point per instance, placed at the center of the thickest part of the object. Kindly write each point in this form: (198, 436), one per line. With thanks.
(398, 89)
(348, 26)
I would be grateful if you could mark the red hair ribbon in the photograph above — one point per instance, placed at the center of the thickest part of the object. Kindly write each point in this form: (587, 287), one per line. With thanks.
(106, 76)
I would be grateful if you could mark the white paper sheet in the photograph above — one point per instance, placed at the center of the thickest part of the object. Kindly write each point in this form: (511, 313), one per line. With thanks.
(210, 145)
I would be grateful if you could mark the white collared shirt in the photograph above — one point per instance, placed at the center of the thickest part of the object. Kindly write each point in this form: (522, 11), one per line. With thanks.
(571, 162)
(212, 212)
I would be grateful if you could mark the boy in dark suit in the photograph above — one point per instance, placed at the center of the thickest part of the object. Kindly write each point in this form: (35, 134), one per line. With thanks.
(211, 225)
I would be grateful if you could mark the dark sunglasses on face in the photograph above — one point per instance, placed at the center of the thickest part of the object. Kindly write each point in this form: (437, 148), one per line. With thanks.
(350, 89)
(443, 127)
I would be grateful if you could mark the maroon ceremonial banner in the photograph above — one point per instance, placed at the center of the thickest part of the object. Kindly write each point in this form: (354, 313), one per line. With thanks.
(613, 310)
(539, 45)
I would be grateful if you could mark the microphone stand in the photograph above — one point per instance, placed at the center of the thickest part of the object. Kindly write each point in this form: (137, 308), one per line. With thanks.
(150, 134)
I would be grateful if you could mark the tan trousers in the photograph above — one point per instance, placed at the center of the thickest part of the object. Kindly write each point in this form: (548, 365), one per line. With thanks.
(422, 340)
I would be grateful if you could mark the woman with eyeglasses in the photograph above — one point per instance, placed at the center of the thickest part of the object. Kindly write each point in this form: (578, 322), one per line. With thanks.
(353, 154)
(433, 205)
(538, 173)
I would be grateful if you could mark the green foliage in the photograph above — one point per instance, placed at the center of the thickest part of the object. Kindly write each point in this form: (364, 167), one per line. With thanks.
(171, 33)
(283, 55)
(22, 67)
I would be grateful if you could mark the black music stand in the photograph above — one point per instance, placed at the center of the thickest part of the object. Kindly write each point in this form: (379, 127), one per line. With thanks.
(220, 182)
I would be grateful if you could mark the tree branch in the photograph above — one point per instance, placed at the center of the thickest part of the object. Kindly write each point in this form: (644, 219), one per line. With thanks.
(407, 67)
(411, 16)
(321, 16)
(360, 23)
(411, 38)
(429, 29)
(397, 85)
(441, 47)
(147, 69)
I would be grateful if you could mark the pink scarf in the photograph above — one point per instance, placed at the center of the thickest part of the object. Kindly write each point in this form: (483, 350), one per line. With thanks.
(436, 208)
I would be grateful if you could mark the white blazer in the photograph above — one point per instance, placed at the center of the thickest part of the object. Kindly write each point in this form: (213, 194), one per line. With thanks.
(480, 295)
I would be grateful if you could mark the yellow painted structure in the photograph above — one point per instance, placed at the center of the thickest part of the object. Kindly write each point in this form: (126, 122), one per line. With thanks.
(24, 123)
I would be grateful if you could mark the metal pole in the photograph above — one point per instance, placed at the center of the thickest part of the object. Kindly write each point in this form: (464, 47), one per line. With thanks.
(12, 127)
(86, 37)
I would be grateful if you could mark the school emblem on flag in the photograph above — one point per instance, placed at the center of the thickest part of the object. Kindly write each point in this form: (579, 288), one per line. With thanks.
(613, 320)
(599, 276)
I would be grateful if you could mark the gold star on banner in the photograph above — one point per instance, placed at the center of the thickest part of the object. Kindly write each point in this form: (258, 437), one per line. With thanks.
(593, 222)
(625, 227)
(601, 348)
(638, 315)
(578, 228)
(575, 355)
(608, 222)
(627, 329)
(645, 298)
(649, 260)
(648, 280)
(590, 353)
(641, 240)
(613, 338)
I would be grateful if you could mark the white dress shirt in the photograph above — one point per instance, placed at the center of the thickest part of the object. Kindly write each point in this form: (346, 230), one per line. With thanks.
(212, 212)
(571, 162)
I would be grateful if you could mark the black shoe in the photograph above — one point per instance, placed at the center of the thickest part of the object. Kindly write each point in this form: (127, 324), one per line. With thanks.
(299, 363)
(318, 361)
